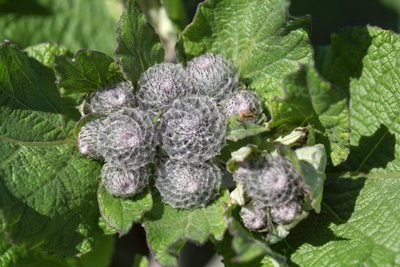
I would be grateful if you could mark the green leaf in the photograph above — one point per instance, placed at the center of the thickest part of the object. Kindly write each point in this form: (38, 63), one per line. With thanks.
(16, 256)
(45, 53)
(120, 213)
(238, 130)
(168, 228)
(86, 72)
(47, 189)
(359, 221)
(138, 46)
(107, 230)
(140, 261)
(260, 39)
(310, 100)
(76, 24)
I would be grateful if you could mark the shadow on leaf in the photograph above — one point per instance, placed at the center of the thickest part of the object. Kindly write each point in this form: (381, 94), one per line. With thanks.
(157, 210)
(344, 60)
(23, 7)
(56, 233)
(374, 151)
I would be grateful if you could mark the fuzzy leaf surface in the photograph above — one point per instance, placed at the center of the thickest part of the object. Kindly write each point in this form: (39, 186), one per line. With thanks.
(47, 189)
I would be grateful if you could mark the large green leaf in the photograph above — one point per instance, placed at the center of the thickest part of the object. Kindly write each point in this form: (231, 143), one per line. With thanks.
(138, 46)
(310, 100)
(12, 255)
(86, 72)
(168, 228)
(359, 222)
(259, 38)
(47, 189)
(120, 213)
(76, 24)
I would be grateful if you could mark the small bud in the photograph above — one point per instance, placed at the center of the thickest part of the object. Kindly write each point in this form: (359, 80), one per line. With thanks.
(160, 85)
(128, 139)
(285, 214)
(247, 105)
(87, 139)
(188, 185)
(254, 219)
(212, 76)
(124, 182)
(193, 129)
(112, 98)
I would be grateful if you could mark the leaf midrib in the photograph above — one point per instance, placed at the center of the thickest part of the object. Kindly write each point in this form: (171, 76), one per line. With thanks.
(37, 143)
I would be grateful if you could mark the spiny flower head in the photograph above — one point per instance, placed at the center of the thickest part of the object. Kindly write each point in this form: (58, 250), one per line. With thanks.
(188, 185)
(112, 98)
(87, 139)
(124, 182)
(161, 84)
(286, 213)
(270, 180)
(212, 75)
(193, 129)
(253, 218)
(247, 105)
(128, 139)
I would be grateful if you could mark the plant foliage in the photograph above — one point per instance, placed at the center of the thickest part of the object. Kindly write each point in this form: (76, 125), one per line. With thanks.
(51, 199)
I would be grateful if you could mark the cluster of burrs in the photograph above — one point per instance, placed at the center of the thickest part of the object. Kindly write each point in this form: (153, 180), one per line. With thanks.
(274, 190)
(124, 137)
(179, 115)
